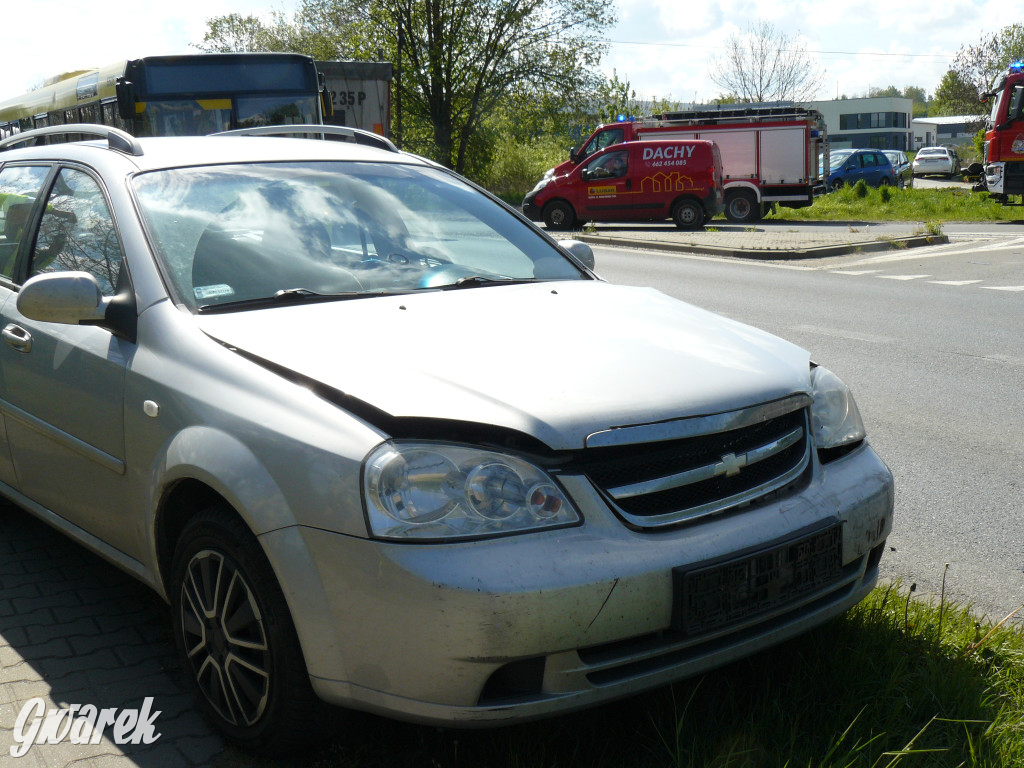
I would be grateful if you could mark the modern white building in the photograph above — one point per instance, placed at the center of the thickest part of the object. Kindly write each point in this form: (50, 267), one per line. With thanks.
(881, 123)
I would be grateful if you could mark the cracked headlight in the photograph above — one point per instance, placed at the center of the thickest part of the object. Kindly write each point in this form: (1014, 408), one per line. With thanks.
(423, 491)
(835, 419)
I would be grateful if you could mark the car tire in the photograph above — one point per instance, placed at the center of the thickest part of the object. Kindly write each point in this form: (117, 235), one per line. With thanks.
(559, 215)
(838, 184)
(885, 181)
(741, 207)
(250, 678)
(688, 214)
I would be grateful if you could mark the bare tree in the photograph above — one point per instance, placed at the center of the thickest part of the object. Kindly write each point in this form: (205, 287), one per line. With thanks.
(766, 64)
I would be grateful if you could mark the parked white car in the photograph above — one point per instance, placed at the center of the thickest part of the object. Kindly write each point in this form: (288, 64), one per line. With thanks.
(379, 441)
(936, 161)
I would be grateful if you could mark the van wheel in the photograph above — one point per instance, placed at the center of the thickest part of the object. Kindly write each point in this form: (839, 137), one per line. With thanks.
(741, 207)
(236, 639)
(688, 214)
(559, 215)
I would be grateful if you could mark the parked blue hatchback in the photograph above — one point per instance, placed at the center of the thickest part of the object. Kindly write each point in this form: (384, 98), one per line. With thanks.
(848, 166)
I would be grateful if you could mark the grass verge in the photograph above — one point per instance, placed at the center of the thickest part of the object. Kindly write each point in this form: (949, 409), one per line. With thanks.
(894, 682)
(911, 204)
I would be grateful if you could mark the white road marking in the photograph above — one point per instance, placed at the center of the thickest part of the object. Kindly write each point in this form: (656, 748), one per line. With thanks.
(954, 282)
(902, 277)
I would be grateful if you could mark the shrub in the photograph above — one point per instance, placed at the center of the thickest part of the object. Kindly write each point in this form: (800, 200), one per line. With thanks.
(860, 189)
(517, 166)
(885, 193)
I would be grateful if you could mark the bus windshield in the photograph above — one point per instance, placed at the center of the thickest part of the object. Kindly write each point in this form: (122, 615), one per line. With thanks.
(191, 117)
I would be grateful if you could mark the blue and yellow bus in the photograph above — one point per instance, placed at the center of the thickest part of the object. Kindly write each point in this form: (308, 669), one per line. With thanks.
(184, 95)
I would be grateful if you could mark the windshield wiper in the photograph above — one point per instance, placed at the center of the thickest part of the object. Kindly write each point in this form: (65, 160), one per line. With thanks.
(288, 296)
(481, 281)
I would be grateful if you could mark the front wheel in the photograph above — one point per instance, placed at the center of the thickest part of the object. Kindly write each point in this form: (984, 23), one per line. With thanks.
(236, 639)
(741, 207)
(559, 215)
(688, 214)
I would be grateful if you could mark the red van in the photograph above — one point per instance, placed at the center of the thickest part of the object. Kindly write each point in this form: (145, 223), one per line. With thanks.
(634, 181)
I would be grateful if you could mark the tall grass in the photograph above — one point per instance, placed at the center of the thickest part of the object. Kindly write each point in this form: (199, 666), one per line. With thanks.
(894, 682)
(911, 204)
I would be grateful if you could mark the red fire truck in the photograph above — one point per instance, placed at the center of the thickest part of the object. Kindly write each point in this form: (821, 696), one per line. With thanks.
(1004, 137)
(770, 152)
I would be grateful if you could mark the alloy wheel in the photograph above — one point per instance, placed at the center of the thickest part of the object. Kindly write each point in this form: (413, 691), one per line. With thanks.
(224, 638)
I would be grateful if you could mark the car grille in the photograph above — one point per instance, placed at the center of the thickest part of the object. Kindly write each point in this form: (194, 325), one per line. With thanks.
(678, 480)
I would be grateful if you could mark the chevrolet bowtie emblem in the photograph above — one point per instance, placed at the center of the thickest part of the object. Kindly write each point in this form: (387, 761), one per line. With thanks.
(730, 465)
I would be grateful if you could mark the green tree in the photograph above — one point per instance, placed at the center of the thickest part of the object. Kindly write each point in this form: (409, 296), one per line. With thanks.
(616, 97)
(456, 61)
(956, 96)
(980, 64)
(914, 93)
(920, 99)
(889, 92)
(766, 64)
(459, 60)
(235, 32)
(316, 30)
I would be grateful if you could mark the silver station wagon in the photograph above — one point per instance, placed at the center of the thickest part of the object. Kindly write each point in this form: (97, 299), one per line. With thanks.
(382, 443)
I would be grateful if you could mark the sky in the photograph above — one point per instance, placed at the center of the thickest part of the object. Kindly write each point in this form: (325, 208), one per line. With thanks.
(662, 47)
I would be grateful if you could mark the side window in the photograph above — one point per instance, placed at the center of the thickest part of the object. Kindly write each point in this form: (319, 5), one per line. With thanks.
(602, 140)
(76, 233)
(609, 166)
(1016, 103)
(19, 188)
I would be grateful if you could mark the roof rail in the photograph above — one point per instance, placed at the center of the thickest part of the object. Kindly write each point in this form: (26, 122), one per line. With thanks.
(357, 135)
(116, 139)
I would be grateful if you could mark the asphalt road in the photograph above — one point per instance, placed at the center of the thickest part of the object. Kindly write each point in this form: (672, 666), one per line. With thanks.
(932, 343)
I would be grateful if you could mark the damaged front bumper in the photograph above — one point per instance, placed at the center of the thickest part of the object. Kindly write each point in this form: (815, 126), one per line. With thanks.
(520, 627)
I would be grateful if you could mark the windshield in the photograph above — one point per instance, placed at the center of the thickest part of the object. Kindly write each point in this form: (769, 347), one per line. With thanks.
(230, 234)
(191, 117)
(837, 158)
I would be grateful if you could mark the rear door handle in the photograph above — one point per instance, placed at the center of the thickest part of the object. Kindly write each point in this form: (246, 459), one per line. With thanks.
(18, 337)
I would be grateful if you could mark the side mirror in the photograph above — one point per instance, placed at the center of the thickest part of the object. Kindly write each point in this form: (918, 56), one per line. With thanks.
(574, 154)
(583, 252)
(127, 96)
(71, 298)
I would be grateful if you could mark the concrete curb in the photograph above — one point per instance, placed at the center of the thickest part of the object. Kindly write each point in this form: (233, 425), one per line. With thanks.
(776, 254)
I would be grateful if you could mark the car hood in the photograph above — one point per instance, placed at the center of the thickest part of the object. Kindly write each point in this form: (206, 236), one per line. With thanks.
(555, 360)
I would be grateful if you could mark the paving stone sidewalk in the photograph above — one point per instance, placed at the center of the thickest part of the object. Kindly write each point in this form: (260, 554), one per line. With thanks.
(75, 630)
